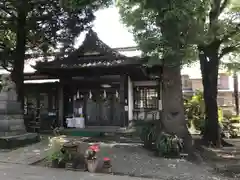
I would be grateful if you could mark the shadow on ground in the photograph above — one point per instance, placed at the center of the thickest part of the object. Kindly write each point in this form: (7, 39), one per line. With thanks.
(130, 158)
(225, 160)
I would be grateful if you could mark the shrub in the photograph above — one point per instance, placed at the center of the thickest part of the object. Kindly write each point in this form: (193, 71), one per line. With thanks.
(235, 119)
(195, 110)
(56, 153)
(168, 145)
(60, 156)
(227, 114)
(148, 134)
(220, 115)
(55, 145)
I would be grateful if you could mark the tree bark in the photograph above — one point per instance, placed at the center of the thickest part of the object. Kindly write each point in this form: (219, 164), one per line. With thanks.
(209, 63)
(173, 118)
(236, 96)
(18, 63)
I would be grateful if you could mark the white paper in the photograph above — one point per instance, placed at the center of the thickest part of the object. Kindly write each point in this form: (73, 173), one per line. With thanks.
(70, 122)
(160, 104)
(80, 111)
(79, 122)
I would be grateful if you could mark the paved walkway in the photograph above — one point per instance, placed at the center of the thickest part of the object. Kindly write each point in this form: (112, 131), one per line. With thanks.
(26, 155)
(25, 172)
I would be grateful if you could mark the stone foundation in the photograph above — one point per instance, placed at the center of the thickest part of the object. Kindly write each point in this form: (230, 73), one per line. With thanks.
(15, 141)
(12, 129)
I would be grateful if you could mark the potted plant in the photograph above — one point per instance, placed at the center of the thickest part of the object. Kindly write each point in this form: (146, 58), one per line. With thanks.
(91, 158)
(107, 166)
(55, 159)
(59, 158)
(169, 146)
(148, 135)
(56, 152)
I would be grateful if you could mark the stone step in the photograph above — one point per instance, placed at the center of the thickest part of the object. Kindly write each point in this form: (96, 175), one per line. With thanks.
(10, 142)
(26, 155)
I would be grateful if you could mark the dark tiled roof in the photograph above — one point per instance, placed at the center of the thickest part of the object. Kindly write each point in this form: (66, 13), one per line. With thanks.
(91, 61)
(92, 53)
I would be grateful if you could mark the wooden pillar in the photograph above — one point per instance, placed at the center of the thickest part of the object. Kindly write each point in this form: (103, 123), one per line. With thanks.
(60, 105)
(160, 95)
(159, 99)
(124, 100)
(130, 99)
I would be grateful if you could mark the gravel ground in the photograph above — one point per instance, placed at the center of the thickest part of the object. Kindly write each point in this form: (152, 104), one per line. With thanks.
(134, 160)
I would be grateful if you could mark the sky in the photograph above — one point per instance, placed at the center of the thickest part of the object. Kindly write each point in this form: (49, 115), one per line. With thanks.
(111, 31)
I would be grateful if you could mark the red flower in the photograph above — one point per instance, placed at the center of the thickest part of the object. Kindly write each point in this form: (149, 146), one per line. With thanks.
(106, 159)
(94, 147)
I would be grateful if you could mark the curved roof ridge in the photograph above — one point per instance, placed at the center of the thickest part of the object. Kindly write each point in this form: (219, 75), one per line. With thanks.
(92, 36)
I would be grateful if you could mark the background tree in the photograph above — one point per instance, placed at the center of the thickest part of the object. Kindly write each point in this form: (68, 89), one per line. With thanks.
(236, 92)
(40, 27)
(165, 32)
(220, 37)
(233, 67)
(215, 32)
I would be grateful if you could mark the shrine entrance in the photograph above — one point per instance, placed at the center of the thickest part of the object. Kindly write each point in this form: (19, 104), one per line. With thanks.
(99, 106)
(102, 108)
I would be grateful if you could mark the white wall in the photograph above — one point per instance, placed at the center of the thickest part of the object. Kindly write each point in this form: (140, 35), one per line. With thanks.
(145, 83)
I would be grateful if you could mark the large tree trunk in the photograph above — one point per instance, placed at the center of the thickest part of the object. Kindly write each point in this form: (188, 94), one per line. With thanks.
(236, 97)
(18, 64)
(173, 118)
(209, 63)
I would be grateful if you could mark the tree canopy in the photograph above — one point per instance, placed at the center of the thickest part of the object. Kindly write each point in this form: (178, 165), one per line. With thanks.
(50, 25)
(190, 22)
(164, 29)
(31, 28)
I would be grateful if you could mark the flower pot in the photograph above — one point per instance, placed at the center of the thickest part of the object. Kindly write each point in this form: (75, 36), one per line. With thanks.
(92, 165)
(61, 164)
(55, 163)
(69, 166)
(107, 166)
(71, 147)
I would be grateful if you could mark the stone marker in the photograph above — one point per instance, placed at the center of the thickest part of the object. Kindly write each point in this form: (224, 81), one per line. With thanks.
(12, 128)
